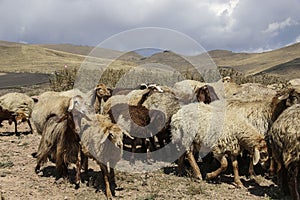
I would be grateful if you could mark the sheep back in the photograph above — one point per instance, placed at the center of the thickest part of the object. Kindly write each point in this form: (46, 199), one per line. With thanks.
(50, 103)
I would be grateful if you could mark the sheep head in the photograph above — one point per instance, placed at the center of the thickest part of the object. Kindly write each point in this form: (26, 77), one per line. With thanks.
(260, 153)
(206, 94)
(102, 91)
(77, 110)
(283, 100)
(115, 135)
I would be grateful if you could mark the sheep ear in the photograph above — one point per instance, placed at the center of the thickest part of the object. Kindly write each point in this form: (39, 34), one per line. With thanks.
(284, 96)
(105, 136)
(256, 156)
(71, 105)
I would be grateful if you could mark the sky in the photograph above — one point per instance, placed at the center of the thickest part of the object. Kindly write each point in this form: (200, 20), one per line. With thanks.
(236, 25)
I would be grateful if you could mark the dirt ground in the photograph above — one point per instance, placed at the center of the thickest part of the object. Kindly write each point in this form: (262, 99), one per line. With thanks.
(19, 181)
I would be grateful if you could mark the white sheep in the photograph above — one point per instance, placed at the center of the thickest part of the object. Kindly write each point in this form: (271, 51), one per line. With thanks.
(200, 125)
(102, 141)
(14, 107)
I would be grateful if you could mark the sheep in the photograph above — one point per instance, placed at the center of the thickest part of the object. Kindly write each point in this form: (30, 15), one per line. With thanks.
(139, 122)
(260, 105)
(40, 113)
(60, 141)
(284, 136)
(101, 93)
(102, 141)
(185, 90)
(14, 107)
(131, 98)
(127, 111)
(196, 125)
(261, 111)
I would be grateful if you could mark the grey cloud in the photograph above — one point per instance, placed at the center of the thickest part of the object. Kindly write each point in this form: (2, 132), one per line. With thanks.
(221, 24)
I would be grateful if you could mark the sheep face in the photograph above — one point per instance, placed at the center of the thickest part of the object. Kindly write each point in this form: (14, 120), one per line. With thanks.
(116, 136)
(102, 91)
(261, 153)
(206, 94)
(294, 98)
(76, 111)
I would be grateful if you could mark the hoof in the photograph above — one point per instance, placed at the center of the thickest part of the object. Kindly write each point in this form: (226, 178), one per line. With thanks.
(239, 184)
(209, 176)
(37, 169)
(198, 178)
(77, 185)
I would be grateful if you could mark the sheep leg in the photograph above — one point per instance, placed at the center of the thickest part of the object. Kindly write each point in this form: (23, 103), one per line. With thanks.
(16, 129)
(292, 181)
(29, 124)
(223, 167)
(112, 177)
(251, 168)
(41, 156)
(106, 180)
(133, 149)
(78, 168)
(40, 159)
(62, 171)
(194, 165)
(84, 162)
(152, 144)
(145, 148)
(181, 165)
(235, 167)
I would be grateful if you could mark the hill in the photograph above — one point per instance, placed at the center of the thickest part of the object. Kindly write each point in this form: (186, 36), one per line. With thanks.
(46, 58)
(16, 57)
(273, 62)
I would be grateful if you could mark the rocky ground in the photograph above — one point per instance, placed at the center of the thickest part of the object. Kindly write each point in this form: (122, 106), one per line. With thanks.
(19, 181)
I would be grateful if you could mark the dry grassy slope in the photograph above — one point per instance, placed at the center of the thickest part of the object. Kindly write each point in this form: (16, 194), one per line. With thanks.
(254, 63)
(15, 57)
(32, 58)
(48, 58)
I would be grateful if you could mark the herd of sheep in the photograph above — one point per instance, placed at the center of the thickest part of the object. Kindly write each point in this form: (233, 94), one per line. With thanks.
(222, 119)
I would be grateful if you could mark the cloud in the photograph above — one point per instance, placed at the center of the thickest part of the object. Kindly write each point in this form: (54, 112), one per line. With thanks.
(216, 24)
(276, 26)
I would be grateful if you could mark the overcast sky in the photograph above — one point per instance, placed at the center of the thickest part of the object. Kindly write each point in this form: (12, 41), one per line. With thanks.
(237, 25)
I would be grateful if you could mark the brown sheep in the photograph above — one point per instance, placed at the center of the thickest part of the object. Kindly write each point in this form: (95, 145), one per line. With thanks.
(139, 122)
(100, 93)
(206, 94)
